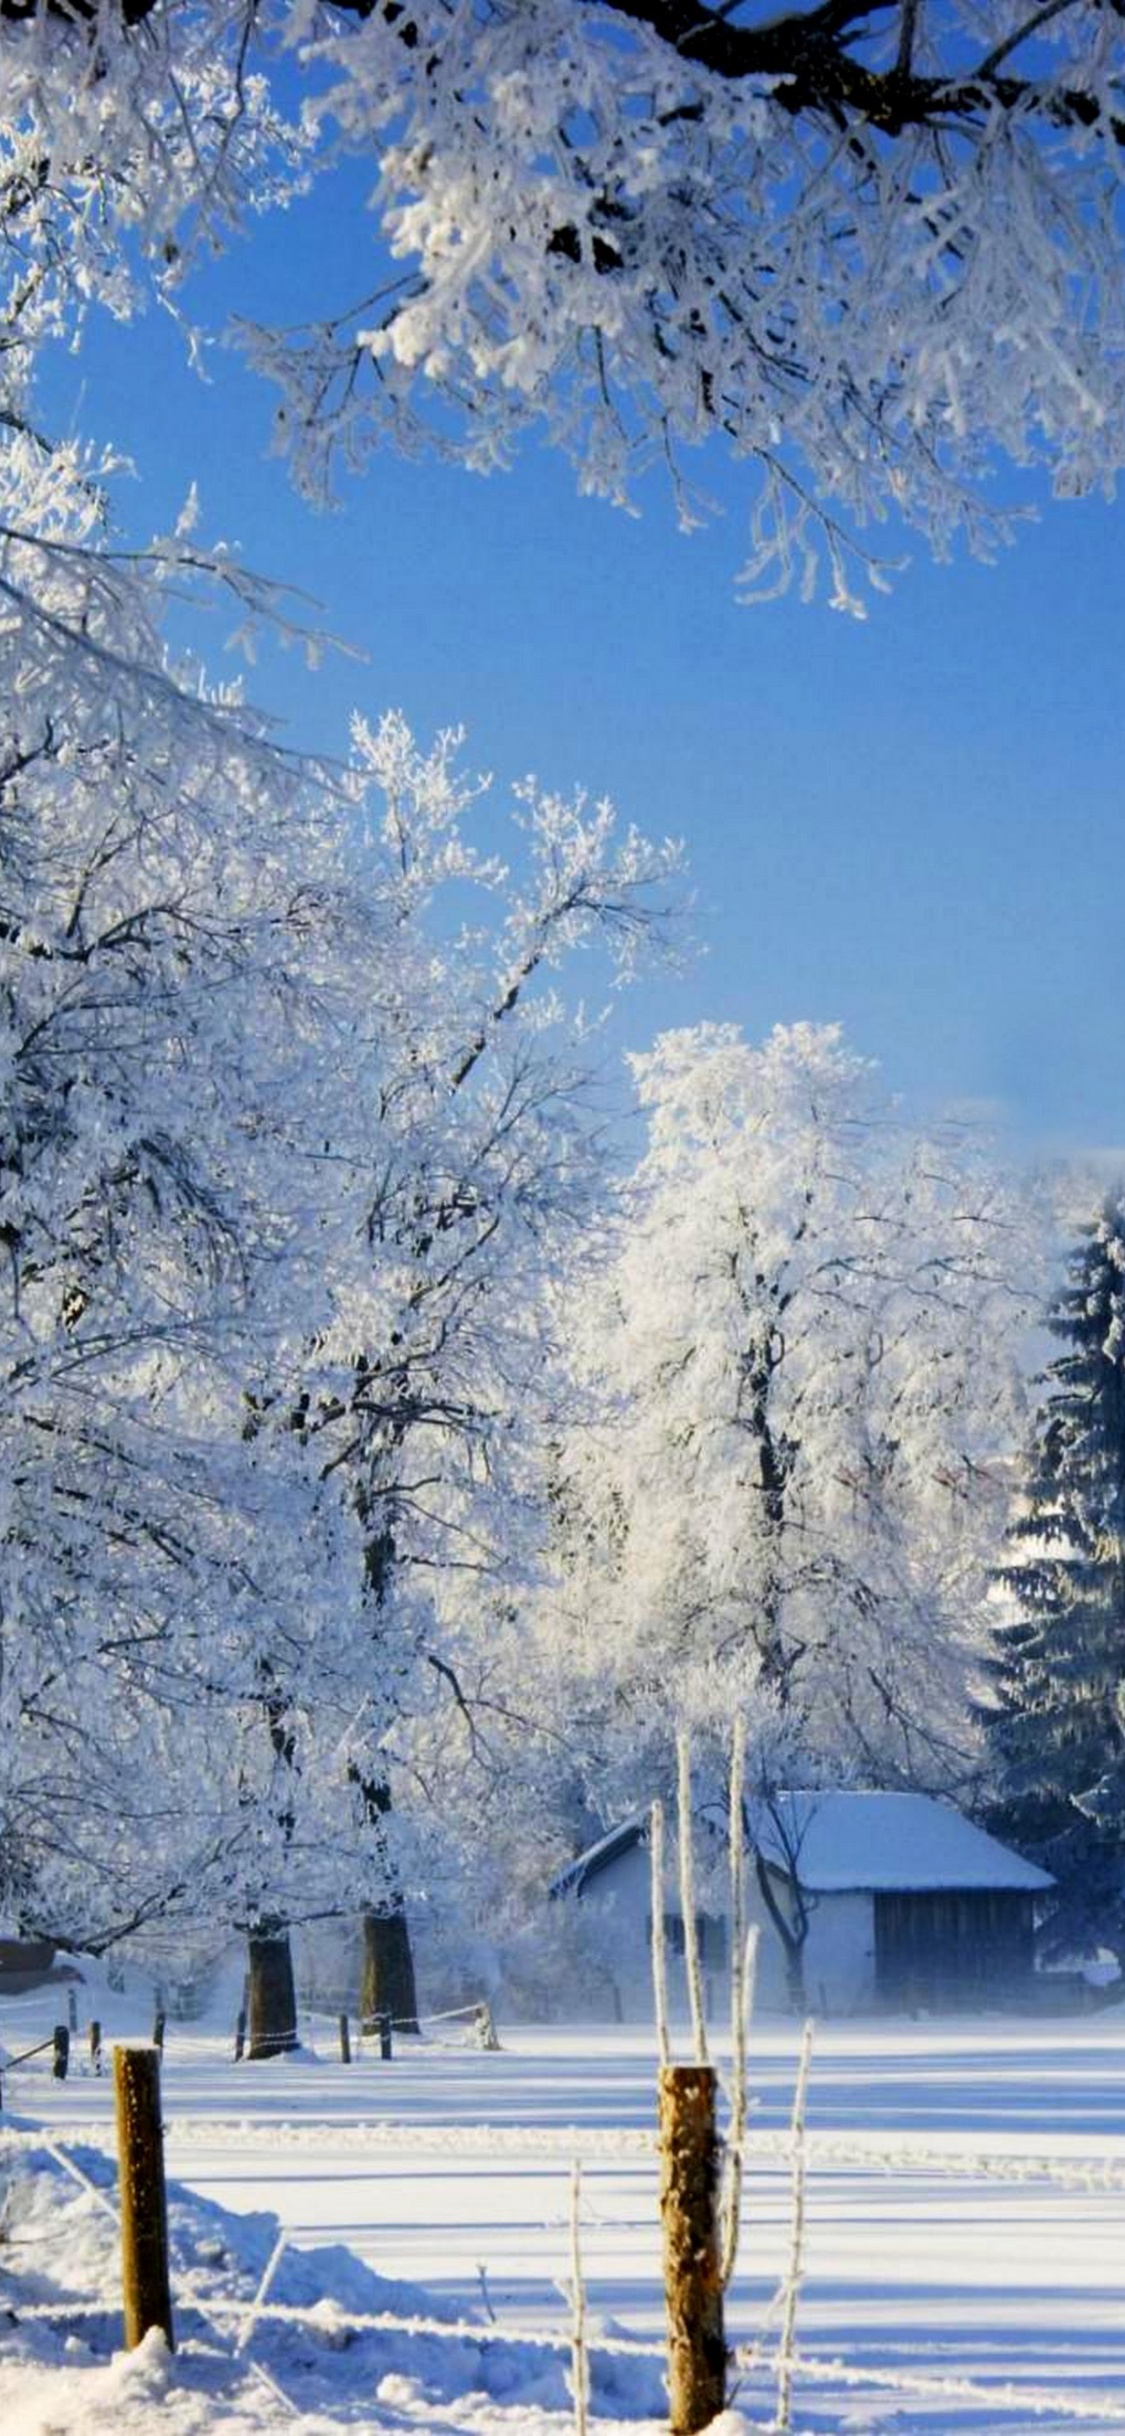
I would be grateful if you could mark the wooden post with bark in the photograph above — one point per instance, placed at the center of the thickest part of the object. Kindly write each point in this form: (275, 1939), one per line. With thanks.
(144, 2208)
(345, 2040)
(693, 2287)
(60, 2041)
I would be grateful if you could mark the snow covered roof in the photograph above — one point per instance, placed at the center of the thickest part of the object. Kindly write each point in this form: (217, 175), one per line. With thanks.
(902, 1843)
(860, 1843)
(589, 1864)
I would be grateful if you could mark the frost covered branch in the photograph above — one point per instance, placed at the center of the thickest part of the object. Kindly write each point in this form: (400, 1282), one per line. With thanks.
(872, 248)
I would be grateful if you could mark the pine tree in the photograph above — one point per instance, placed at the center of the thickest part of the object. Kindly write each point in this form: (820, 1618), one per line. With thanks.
(1055, 1723)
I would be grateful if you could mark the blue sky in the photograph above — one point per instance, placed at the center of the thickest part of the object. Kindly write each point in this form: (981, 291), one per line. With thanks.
(912, 826)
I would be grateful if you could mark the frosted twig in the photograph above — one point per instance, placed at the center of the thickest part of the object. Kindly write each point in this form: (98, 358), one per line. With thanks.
(181, 2299)
(687, 1896)
(76, 2175)
(796, 2235)
(272, 2263)
(580, 2375)
(659, 1956)
(742, 1956)
(737, 1861)
(736, 2138)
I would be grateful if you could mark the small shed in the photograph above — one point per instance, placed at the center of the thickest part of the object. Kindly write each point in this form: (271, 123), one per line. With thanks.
(25, 1963)
(897, 1902)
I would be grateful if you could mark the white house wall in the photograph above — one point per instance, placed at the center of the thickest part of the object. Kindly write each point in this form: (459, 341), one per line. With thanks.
(839, 1953)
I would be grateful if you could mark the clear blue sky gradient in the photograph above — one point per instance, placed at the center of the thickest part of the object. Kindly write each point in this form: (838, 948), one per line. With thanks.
(913, 826)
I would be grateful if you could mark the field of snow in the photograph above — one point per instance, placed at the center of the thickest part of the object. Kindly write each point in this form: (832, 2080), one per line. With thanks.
(965, 2229)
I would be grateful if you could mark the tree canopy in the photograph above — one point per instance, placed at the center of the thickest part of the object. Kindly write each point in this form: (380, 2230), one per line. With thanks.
(291, 1138)
(297, 1169)
(805, 1356)
(872, 245)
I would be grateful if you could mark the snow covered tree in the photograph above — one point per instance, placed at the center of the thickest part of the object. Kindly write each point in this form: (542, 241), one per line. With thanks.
(288, 1169)
(1055, 1719)
(174, 928)
(874, 249)
(806, 1356)
(289, 1166)
(290, 1150)
(426, 1396)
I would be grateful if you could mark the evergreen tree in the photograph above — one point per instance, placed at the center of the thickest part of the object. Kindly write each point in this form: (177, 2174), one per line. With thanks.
(1055, 1722)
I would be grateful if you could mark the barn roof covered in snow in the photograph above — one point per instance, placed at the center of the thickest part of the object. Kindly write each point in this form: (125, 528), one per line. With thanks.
(839, 1843)
(900, 1843)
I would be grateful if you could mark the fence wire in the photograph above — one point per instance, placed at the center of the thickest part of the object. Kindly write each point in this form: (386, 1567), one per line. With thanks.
(757, 2359)
(327, 2317)
(1065, 2169)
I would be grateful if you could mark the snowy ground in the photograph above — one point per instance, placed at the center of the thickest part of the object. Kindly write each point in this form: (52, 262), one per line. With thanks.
(437, 2187)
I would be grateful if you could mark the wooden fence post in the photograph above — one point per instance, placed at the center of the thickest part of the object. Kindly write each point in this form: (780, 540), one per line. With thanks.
(240, 2035)
(385, 2048)
(345, 2040)
(693, 2289)
(96, 2045)
(144, 2207)
(158, 2032)
(60, 2040)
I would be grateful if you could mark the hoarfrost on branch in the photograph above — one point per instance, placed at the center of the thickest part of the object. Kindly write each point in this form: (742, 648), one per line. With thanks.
(873, 245)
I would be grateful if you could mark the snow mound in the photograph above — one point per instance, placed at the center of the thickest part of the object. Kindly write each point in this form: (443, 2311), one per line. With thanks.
(62, 2372)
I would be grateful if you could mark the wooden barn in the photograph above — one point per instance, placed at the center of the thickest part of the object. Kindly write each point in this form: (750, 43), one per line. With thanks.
(894, 1902)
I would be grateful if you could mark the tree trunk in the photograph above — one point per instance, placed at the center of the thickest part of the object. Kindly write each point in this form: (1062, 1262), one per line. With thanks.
(795, 1980)
(791, 1932)
(273, 1997)
(388, 1970)
(387, 1984)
